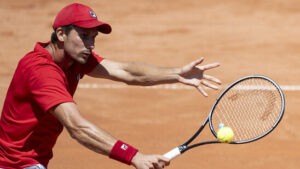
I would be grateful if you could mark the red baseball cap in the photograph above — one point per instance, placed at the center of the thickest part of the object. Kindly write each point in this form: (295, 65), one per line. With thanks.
(80, 15)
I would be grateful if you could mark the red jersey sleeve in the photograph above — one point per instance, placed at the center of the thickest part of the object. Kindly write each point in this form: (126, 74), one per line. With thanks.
(48, 86)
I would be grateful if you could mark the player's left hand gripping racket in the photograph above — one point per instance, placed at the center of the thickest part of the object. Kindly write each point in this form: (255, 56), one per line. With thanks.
(252, 106)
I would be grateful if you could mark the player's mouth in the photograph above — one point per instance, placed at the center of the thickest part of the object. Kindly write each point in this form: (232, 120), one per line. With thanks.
(86, 55)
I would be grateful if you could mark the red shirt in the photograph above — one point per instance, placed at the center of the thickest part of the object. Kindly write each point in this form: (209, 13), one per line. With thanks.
(27, 131)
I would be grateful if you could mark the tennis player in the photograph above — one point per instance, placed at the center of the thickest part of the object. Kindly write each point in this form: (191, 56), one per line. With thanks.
(39, 102)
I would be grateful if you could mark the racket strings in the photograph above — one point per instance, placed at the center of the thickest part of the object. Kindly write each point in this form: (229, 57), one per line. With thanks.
(250, 108)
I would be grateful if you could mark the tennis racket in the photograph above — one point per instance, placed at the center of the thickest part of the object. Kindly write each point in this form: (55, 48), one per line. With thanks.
(251, 106)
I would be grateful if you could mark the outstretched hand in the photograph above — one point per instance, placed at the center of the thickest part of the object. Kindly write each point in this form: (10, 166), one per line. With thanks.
(193, 74)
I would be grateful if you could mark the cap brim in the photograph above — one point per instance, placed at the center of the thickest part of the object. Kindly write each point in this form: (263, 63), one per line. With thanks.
(102, 27)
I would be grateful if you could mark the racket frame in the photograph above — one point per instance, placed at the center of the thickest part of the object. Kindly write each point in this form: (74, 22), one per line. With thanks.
(184, 147)
(232, 85)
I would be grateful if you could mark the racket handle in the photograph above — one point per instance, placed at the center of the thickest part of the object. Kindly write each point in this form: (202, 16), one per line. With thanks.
(173, 153)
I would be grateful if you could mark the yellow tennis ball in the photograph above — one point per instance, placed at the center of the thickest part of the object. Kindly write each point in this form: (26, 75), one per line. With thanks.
(225, 135)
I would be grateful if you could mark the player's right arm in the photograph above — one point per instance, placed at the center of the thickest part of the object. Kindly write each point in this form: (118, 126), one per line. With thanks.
(82, 130)
(96, 138)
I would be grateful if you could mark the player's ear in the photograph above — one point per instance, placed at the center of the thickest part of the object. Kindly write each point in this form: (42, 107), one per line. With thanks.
(60, 33)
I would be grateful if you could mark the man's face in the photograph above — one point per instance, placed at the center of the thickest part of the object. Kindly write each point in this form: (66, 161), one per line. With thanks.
(79, 43)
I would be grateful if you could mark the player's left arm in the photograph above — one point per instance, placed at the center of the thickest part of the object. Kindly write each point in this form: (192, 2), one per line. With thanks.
(134, 73)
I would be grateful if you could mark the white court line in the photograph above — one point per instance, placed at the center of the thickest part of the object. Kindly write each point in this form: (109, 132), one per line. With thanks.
(165, 86)
(121, 86)
(290, 87)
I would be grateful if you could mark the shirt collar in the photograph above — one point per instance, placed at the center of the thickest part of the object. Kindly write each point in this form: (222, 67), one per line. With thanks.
(40, 47)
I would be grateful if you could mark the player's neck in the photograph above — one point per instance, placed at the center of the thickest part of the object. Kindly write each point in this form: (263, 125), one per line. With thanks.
(59, 56)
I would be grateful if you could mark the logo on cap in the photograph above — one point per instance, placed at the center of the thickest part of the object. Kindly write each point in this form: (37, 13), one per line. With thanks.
(93, 14)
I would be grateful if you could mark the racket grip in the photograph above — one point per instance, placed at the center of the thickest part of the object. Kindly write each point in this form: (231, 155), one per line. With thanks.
(173, 153)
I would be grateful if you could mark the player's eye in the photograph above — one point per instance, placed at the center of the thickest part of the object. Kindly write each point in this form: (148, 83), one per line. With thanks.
(84, 36)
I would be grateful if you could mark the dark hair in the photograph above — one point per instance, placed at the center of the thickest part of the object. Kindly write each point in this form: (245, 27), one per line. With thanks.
(67, 29)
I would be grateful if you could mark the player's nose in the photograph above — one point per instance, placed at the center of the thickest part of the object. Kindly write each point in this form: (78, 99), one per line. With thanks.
(90, 44)
(91, 47)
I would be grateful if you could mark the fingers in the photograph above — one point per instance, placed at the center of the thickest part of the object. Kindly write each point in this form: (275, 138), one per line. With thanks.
(158, 165)
(193, 75)
(191, 82)
(209, 85)
(196, 62)
(191, 65)
(160, 162)
(202, 91)
(197, 83)
(150, 162)
(163, 160)
(211, 78)
(203, 68)
(209, 66)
